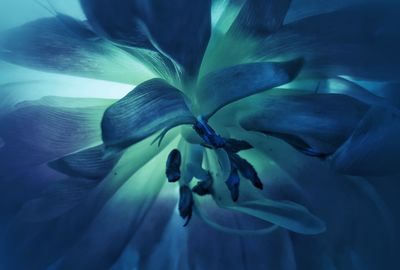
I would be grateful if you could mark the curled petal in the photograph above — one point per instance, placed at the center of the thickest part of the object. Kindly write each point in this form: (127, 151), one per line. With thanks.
(222, 87)
(342, 86)
(150, 107)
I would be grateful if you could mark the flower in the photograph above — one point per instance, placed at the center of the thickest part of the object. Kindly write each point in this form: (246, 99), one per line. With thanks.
(271, 117)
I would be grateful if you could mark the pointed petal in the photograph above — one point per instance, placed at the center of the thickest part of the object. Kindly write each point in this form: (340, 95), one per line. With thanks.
(359, 41)
(90, 163)
(46, 44)
(315, 124)
(260, 17)
(179, 29)
(222, 87)
(374, 147)
(150, 107)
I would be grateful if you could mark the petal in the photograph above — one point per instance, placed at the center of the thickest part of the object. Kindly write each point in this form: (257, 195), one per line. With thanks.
(222, 87)
(37, 245)
(46, 44)
(56, 200)
(37, 132)
(374, 147)
(288, 215)
(342, 86)
(119, 219)
(316, 124)
(230, 251)
(90, 163)
(260, 17)
(150, 107)
(179, 29)
(359, 41)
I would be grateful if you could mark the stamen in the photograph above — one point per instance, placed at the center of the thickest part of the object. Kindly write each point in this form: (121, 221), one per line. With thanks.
(185, 203)
(212, 140)
(173, 166)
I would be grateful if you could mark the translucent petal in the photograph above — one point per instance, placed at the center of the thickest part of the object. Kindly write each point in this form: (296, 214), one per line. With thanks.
(47, 44)
(179, 29)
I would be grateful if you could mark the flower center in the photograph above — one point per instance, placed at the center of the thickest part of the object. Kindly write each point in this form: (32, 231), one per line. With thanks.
(238, 165)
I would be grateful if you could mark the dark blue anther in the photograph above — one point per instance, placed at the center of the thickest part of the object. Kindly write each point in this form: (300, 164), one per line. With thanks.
(209, 136)
(233, 183)
(185, 203)
(247, 170)
(173, 166)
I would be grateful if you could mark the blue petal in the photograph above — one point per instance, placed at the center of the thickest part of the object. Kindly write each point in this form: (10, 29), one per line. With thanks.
(37, 245)
(179, 29)
(286, 214)
(150, 107)
(37, 132)
(345, 87)
(90, 163)
(374, 146)
(258, 252)
(57, 199)
(222, 87)
(47, 44)
(316, 124)
(360, 41)
(260, 17)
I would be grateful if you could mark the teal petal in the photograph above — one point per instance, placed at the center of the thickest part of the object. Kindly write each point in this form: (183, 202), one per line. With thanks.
(120, 218)
(222, 87)
(152, 106)
(47, 44)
